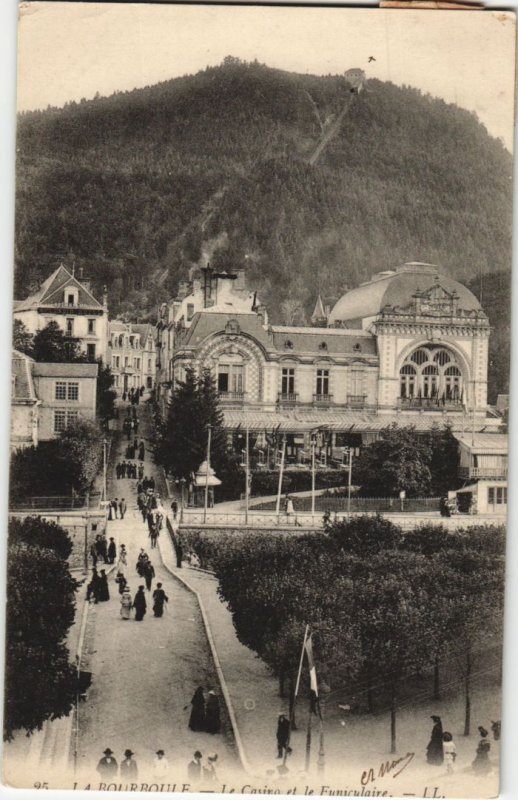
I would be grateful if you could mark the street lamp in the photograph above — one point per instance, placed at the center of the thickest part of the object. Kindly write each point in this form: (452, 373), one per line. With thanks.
(313, 445)
(105, 445)
(206, 503)
(182, 484)
(348, 451)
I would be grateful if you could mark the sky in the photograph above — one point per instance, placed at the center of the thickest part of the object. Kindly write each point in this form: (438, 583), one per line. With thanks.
(67, 51)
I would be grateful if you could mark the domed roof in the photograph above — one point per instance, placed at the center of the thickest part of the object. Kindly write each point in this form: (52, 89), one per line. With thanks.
(396, 288)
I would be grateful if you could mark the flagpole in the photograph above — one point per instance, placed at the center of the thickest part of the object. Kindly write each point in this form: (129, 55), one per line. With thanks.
(293, 699)
(308, 737)
(301, 660)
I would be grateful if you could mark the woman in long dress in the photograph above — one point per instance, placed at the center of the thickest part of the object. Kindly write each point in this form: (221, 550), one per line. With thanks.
(104, 592)
(139, 604)
(434, 750)
(212, 720)
(126, 603)
(197, 718)
(482, 765)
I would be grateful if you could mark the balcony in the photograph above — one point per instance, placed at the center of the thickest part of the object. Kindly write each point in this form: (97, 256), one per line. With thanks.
(492, 473)
(287, 398)
(356, 400)
(432, 403)
(323, 399)
(232, 398)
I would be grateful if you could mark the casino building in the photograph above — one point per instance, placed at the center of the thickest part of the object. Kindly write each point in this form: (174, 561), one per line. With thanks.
(409, 346)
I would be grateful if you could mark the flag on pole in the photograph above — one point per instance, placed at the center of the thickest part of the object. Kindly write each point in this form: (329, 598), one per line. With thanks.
(313, 694)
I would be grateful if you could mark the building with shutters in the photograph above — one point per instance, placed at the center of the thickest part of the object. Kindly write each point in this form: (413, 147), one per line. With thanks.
(132, 356)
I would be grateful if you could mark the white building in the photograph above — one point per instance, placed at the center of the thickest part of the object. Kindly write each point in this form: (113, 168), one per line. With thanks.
(132, 355)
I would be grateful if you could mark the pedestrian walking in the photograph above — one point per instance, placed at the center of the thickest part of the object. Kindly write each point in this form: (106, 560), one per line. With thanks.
(139, 604)
(112, 551)
(103, 548)
(174, 509)
(212, 717)
(122, 508)
(209, 771)
(123, 555)
(434, 750)
(290, 510)
(149, 574)
(194, 768)
(107, 766)
(482, 765)
(121, 581)
(128, 767)
(111, 513)
(160, 766)
(159, 598)
(197, 720)
(93, 554)
(141, 451)
(283, 736)
(116, 507)
(449, 750)
(92, 589)
(104, 592)
(126, 603)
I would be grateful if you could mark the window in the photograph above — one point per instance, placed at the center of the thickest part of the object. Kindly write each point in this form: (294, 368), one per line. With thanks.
(137, 363)
(116, 360)
(357, 347)
(90, 352)
(61, 390)
(452, 383)
(419, 357)
(60, 421)
(497, 495)
(231, 378)
(322, 346)
(63, 419)
(288, 344)
(430, 381)
(407, 377)
(126, 361)
(71, 298)
(288, 381)
(70, 326)
(322, 382)
(91, 326)
(356, 382)
(149, 365)
(67, 390)
(115, 380)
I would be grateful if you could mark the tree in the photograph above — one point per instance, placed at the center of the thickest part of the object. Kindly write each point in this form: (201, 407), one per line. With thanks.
(23, 341)
(80, 452)
(51, 345)
(398, 461)
(40, 682)
(184, 435)
(444, 460)
(105, 408)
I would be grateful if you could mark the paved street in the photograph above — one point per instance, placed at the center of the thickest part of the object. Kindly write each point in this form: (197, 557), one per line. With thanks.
(144, 674)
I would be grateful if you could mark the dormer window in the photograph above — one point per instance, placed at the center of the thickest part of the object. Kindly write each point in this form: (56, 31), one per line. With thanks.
(71, 296)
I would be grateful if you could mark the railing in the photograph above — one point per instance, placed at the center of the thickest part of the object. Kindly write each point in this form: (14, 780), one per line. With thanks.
(356, 400)
(323, 399)
(287, 397)
(483, 472)
(338, 503)
(232, 397)
(58, 503)
(430, 402)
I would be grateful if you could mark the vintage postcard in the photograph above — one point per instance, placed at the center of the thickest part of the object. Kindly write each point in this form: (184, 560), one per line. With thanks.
(260, 391)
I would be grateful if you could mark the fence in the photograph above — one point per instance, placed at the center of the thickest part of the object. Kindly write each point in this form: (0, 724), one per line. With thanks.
(358, 504)
(55, 503)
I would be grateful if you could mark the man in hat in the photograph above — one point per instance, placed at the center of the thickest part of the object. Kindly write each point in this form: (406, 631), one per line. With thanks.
(122, 507)
(194, 767)
(283, 736)
(212, 719)
(160, 766)
(128, 768)
(112, 551)
(107, 766)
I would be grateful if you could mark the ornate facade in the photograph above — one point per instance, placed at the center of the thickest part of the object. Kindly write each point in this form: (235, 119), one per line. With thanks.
(409, 346)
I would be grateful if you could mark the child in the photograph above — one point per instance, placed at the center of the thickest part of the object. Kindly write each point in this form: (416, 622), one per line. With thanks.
(449, 750)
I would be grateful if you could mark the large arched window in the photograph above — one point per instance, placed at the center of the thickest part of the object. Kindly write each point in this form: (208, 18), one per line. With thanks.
(429, 376)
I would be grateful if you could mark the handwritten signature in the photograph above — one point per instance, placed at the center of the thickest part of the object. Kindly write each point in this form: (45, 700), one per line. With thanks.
(393, 768)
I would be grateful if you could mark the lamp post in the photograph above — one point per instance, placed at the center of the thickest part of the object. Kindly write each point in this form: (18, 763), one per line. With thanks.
(247, 474)
(182, 484)
(206, 503)
(348, 451)
(105, 445)
(279, 489)
(313, 445)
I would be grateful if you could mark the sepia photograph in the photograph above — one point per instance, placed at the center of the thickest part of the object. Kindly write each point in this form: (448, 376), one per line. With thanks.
(261, 336)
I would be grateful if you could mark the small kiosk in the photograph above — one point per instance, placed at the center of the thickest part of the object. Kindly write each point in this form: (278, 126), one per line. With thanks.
(201, 482)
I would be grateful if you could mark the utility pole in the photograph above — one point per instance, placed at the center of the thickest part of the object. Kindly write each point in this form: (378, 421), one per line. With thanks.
(247, 471)
(313, 444)
(105, 443)
(207, 475)
(279, 489)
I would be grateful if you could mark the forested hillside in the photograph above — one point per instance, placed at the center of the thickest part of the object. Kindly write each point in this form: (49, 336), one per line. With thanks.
(140, 186)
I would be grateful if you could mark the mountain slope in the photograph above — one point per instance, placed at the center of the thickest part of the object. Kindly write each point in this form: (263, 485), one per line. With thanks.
(140, 186)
